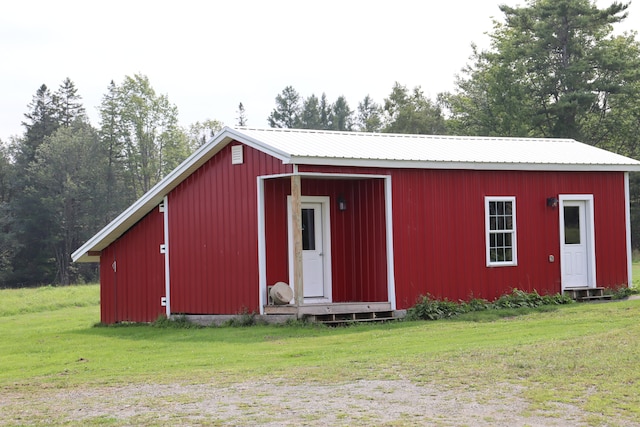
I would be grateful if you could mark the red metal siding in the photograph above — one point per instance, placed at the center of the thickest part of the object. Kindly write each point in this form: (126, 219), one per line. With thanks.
(213, 235)
(133, 291)
(358, 241)
(439, 236)
(440, 239)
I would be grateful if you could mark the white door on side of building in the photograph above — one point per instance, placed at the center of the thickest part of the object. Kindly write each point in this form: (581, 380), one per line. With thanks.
(312, 250)
(574, 245)
(316, 249)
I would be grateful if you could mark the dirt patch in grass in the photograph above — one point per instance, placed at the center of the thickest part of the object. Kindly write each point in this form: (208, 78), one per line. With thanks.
(371, 403)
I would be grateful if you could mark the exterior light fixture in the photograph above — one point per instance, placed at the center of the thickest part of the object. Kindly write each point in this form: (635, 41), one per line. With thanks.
(342, 203)
(552, 202)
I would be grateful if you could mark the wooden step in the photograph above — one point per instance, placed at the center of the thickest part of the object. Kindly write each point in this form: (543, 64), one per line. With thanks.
(343, 318)
(587, 294)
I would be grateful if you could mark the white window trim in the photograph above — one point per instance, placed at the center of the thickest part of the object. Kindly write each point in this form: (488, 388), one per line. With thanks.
(514, 261)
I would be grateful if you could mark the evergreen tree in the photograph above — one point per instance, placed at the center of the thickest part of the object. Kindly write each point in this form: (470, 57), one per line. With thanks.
(368, 118)
(310, 116)
(242, 115)
(67, 103)
(287, 111)
(554, 69)
(325, 113)
(113, 136)
(41, 122)
(342, 116)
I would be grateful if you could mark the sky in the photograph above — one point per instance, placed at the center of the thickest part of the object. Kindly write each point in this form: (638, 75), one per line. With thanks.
(208, 56)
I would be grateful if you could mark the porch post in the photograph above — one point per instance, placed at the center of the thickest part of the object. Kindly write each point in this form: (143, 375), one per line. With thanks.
(296, 218)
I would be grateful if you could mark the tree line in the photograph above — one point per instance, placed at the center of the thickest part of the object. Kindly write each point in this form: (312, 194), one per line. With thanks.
(64, 179)
(553, 69)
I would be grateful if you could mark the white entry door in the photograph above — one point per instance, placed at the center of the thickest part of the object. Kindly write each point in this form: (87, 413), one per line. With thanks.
(574, 245)
(316, 249)
(312, 250)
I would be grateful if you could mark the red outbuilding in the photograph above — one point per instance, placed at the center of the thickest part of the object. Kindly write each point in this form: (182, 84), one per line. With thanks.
(364, 220)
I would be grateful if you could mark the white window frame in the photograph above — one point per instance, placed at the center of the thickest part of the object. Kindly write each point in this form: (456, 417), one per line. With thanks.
(488, 231)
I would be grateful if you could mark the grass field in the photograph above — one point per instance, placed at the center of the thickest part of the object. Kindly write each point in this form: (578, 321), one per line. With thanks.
(582, 355)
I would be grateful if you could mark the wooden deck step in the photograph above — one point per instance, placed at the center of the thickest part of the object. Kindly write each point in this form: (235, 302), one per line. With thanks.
(587, 294)
(344, 318)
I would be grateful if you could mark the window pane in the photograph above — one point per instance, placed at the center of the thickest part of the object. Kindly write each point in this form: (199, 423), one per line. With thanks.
(308, 230)
(572, 225)
(492, 208)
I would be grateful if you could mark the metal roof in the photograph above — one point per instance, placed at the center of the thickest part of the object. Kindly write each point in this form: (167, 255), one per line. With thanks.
(375, 150)
(429, 151)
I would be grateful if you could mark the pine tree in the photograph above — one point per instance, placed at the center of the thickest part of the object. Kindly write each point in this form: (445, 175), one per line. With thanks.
(368, 118)
(67, 104)
(310, 116)
(242, 115)
(41, 123)
(287, 111)
(341, 115)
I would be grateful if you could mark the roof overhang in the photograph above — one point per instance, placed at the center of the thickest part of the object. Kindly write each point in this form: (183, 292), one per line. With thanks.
(495, 166)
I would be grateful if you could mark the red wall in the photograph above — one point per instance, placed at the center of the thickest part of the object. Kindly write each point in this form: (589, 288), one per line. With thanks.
(358, 241)
(213, 235)
(439, 235)
(133, 291)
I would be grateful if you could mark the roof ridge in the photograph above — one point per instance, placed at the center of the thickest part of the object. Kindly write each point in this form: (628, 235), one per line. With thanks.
(399, 135)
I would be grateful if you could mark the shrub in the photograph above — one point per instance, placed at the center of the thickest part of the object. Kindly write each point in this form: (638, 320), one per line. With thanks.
(621, 292)
(431, 309)
(428, 308)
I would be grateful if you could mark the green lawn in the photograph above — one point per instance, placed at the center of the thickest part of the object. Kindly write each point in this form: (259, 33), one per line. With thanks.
(582, 354)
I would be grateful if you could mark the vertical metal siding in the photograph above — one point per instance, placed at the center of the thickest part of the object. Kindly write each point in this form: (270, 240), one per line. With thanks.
(358, 241)
(439, 235)
(213, 229)
(132, 293)
(450, 217)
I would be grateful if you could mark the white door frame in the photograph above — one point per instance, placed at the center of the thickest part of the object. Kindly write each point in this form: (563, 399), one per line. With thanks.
(324, 202)
(589, 227)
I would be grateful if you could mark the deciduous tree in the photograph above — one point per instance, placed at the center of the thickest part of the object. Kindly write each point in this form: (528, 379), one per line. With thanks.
(412, 112)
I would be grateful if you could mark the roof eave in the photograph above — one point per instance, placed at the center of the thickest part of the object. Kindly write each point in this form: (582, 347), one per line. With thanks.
(417, 164)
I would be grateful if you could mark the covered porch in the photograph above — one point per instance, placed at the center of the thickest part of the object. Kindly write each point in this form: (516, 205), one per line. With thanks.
(328, 237)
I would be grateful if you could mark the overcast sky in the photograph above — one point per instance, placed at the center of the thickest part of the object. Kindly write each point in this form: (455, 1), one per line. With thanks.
(208, 56)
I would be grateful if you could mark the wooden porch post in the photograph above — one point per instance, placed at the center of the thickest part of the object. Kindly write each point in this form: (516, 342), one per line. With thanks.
(296, 217)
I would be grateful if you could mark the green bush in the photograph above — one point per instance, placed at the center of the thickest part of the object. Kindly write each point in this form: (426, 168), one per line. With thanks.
(428, 308)
(621, 292)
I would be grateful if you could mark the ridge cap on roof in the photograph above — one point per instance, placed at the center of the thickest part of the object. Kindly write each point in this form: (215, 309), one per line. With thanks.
(400, 135)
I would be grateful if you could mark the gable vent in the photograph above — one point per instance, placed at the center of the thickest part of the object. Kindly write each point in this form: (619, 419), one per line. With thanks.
(236, 155)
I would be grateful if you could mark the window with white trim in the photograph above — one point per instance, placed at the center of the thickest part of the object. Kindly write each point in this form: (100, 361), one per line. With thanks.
(500, 225)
